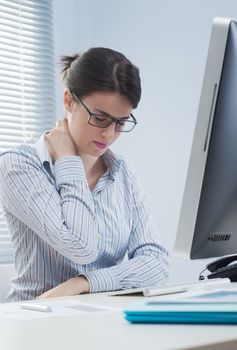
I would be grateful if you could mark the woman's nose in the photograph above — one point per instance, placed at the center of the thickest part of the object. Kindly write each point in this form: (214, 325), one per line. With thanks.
(109, 130)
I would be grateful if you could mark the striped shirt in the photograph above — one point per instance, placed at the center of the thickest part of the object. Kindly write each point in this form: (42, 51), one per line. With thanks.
(60, 228)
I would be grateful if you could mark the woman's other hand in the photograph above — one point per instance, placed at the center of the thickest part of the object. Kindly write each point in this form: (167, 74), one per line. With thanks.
(59, 141)
(74, 286)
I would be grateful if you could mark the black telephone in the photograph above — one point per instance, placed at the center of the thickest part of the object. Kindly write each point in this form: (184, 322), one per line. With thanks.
(220, 268)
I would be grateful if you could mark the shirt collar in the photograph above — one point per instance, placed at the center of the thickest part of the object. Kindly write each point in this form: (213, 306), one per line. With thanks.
(112, 161)
(43, 153)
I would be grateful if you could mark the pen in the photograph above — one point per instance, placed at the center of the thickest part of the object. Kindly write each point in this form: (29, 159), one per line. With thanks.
(35, 307)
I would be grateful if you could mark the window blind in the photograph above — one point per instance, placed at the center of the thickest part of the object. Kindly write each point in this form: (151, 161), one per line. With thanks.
(27, 97)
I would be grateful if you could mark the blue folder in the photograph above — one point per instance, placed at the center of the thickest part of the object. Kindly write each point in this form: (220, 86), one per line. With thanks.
(181, 312)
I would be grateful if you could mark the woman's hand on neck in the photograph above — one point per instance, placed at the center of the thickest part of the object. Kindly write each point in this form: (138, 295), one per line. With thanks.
(59, 141)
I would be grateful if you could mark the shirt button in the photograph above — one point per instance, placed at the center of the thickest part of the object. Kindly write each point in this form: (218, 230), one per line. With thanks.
(99, 235)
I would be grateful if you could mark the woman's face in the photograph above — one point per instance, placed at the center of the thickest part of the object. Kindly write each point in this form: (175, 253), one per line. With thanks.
(89, 139)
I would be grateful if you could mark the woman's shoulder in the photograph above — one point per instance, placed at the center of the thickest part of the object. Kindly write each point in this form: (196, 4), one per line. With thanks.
(22, 153)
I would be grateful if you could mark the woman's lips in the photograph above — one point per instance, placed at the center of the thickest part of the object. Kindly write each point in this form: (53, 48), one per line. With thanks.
(100, 145)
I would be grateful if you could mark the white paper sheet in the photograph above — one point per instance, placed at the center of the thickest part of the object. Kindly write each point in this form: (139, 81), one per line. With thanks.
(60, 307)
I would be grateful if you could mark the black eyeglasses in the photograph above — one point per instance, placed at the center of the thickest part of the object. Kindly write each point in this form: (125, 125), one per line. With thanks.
(125, 124)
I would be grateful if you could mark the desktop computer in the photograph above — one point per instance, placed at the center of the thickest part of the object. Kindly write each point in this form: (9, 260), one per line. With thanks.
(208, 218)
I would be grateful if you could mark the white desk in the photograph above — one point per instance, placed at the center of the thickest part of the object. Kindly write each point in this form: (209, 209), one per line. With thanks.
(95, 331)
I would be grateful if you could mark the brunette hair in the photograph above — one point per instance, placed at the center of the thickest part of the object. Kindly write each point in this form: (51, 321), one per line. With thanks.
(101, 69)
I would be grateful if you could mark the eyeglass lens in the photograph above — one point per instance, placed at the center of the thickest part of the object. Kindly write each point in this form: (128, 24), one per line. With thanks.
(104, 121)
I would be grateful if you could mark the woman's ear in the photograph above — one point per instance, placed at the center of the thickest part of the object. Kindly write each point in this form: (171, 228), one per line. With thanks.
(67, 100)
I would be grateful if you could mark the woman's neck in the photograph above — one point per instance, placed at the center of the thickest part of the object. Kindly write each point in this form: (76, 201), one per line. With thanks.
(94, 168)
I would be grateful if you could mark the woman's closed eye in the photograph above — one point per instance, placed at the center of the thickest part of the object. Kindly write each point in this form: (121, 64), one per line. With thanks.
(121, 122)
(100, 118)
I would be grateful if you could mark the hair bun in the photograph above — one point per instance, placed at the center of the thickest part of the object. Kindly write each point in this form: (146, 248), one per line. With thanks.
(66, 62)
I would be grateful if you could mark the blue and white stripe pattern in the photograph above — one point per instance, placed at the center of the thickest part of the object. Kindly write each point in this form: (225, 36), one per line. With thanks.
(60, 229)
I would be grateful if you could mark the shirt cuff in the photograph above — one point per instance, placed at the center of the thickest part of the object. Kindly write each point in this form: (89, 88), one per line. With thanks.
(101, 281)
(69, 168)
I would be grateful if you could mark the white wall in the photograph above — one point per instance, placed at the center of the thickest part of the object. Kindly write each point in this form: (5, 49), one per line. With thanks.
(168, 41)
(72, 33)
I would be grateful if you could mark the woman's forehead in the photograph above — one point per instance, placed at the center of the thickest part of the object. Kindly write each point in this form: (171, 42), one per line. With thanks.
(111, 103)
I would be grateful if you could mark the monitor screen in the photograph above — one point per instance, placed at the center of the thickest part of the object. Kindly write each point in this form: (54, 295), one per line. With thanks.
(208, 218)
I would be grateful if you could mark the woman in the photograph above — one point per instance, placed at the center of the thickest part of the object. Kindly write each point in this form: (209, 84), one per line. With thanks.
(74, 209)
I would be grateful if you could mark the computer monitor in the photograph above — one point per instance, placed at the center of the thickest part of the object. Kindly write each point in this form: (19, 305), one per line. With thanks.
(208, 218)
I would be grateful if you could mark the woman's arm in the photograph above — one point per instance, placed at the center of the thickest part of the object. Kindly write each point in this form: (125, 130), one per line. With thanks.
(62, 215)
(148, 262)
(74, 286)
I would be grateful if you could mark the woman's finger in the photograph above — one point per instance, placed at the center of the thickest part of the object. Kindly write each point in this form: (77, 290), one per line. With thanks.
(65, 123)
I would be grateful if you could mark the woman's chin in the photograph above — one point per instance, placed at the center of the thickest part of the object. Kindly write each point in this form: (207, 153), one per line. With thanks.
(94, 153)
(98, 151)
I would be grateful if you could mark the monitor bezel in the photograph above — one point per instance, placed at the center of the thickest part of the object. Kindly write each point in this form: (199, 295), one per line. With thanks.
(201, 138)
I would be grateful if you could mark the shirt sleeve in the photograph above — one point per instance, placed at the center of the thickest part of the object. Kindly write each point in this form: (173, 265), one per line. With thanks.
(62, 215)
(148, 259)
